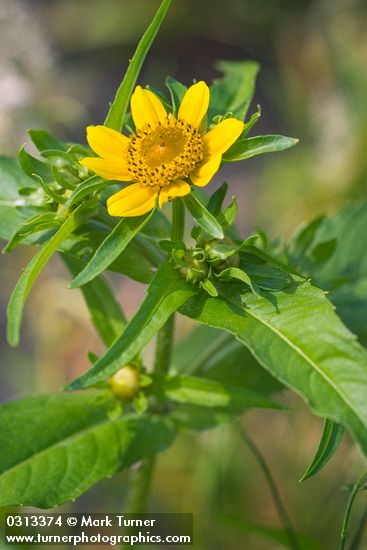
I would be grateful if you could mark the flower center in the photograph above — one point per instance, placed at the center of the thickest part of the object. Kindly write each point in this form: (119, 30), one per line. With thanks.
(160, 155)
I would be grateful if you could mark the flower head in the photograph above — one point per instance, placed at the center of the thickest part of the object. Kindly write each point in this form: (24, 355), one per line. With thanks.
(165, 155)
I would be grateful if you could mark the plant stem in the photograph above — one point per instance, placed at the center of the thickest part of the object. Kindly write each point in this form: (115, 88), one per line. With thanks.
(140, 485)
(141, 481)
(178, 220)
(356, 542)
(292, 536)
(355, 489)
(164, 347)
(142, 477)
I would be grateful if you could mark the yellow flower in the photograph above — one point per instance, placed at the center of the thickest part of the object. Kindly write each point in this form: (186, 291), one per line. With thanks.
(165, 155)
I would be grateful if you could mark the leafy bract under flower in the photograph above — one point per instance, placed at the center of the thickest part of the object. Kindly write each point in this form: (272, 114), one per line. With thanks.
(165, 155)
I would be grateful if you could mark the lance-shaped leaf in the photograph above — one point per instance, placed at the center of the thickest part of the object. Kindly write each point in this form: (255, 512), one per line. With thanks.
(332, 250)
(239, 274)
(217, 355)
(167, 292)
(15, 208)
(87, 187)
(216, 200)
(53, 448)
(332, 434)
(137, 261)
(35, 266)
(177, 92)
(116, 114)
(49, 191)
(194, 390)
(40, 222)
(297, 336)
(251, 122)
(233, 93)
(267, 277)
(106, 313)
(44, 141)
(114, 244)
(203, 217)
(249, 147)
(34, 167)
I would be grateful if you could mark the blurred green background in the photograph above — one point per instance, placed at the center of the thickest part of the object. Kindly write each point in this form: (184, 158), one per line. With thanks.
(61, 61)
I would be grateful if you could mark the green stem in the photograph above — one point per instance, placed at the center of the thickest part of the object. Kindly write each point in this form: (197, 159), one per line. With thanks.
(178, 220)
(142, 477)
(356, 542)
(164, 347)
(140, 485)
(291, 534)
(356, 488)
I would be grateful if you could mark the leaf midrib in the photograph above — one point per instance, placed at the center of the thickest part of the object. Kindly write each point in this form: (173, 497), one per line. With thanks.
(308, 360)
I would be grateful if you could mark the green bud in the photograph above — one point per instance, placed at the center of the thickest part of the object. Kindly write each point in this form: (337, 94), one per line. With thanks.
(194, 269)
(221, 254)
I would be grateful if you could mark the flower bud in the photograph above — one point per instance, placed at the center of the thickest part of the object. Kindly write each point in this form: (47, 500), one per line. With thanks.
(125, 383)
(221, 254)
(194, 268)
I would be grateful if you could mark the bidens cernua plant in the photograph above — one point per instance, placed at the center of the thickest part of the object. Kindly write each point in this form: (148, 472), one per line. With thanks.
(120, 205)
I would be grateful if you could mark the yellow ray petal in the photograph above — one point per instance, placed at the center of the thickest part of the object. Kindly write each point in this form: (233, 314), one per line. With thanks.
(178, 188)
(222, 136)
(107, 143)
(108, 169)
(203, 173)
(146, 108)
(195, 104)
(134, 200)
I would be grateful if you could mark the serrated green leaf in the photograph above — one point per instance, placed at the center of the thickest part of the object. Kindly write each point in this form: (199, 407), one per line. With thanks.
(234, 91)
(249, 147)
(35, 266)
(116, 114)
(330, 373)
(167, 292)
(177, 92)
(114, 244)
(194, 390)
(203, 217)
(106, 313)
(331, 437)
(55, 447)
